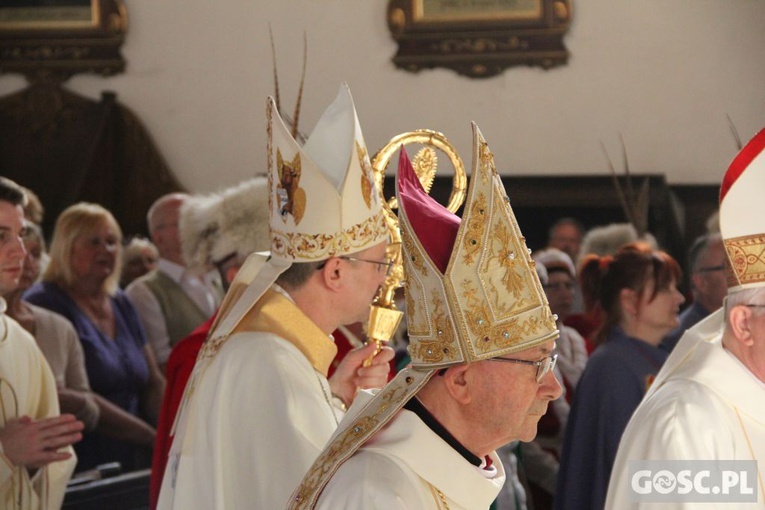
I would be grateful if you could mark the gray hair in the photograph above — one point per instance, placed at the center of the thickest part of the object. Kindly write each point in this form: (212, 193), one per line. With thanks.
(745, 297)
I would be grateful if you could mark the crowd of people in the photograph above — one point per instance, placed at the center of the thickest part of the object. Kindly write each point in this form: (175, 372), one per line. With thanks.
(224, 351)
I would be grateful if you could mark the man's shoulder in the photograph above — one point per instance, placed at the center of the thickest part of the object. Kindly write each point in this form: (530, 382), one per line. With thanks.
(145, 281)
(675, 411)
(267, 349)
(371, 474)
(23, 348)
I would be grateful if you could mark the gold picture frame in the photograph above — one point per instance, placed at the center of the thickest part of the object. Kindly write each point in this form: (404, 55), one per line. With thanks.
(479, 38)
(61, 38)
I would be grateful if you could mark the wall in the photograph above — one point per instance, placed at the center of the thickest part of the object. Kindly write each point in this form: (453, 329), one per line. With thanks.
(662, 73)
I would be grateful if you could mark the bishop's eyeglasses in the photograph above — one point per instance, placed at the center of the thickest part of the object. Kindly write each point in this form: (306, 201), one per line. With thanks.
(544, 365)
(387, 264)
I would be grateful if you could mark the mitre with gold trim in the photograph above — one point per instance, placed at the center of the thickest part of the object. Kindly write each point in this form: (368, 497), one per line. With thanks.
(472, 293)
(323, 203)
(741, 224)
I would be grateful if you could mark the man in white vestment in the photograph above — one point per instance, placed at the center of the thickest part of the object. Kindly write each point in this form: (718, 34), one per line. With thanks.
(259, 408)
(708, 401)
(481, 341)
(36, 457)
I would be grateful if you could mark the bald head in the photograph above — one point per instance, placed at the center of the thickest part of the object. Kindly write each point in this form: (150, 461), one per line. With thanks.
(163, 226)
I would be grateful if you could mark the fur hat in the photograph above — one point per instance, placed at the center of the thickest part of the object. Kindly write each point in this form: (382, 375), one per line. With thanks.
(229, 222)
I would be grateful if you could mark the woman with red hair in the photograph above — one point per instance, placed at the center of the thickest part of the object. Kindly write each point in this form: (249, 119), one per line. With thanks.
(636, 289)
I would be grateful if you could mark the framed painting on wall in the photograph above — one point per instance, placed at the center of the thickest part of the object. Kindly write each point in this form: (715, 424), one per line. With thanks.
(479, 38)
(62, 37)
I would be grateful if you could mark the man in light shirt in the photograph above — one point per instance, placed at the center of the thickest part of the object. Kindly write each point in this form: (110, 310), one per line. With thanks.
(171, 300)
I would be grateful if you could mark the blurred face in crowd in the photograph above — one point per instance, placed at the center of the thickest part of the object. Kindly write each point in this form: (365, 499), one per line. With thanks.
(94, 253)
(139, 261)
(709, 284)
(566, 237)
(11, 246)
(560, 293)
(31, 270)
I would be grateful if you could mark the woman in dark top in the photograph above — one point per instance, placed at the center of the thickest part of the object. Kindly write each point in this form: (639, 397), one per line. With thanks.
(637, 291)
(80, 283)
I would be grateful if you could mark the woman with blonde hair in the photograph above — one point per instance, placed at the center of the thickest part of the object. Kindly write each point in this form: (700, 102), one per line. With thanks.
(81, 283)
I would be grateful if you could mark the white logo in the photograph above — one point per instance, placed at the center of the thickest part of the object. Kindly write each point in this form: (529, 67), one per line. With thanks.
(694, 481)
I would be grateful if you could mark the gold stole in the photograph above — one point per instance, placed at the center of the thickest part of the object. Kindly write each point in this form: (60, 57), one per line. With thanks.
(274, 313)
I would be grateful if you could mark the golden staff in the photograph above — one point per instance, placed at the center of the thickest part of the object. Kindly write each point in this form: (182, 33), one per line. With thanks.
(384, 316)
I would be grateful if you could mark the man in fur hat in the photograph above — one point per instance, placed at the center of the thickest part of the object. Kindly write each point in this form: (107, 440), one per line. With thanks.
(481, 342)
(708, 401)
(259, 407)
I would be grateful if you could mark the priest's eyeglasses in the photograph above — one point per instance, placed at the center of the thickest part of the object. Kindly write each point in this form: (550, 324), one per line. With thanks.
(387, 264)
(544, 365)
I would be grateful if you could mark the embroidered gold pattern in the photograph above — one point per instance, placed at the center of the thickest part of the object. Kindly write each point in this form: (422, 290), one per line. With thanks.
(506, 256)
(488, 334)
(212, 346)
(441, 503)
(416, 308)
(476, 226)
(746, 256)
(323, 246)
(486, 161)
(390, 399)
(367, 185)
(413, 255)
(439, 348)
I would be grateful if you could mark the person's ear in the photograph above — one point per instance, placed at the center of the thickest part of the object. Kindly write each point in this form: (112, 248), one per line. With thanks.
(628, 299)
(457, 382)
(332, 272)
(739, 321)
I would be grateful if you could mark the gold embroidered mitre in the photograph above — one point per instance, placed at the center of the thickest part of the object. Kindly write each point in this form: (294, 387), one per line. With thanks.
(323, 200)
(479, 297)
(741, 224)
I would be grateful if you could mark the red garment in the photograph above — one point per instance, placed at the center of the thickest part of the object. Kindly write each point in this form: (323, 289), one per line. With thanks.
(587, 325)
(180, 364)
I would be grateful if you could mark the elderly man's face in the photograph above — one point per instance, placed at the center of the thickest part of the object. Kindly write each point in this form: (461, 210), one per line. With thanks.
(511, 401)
(567, 238)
